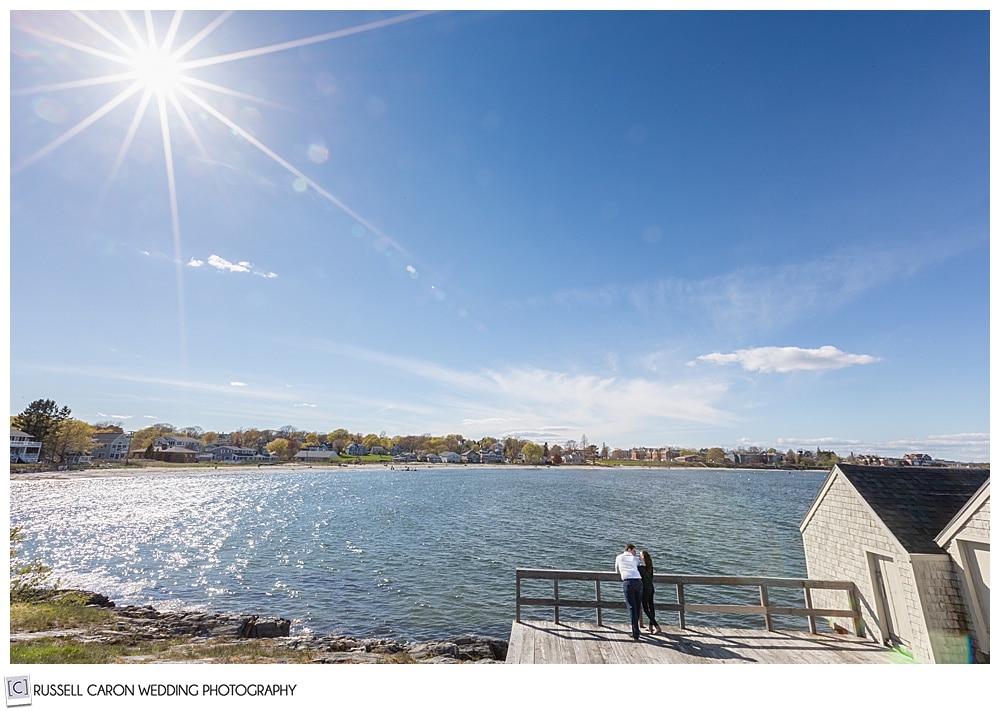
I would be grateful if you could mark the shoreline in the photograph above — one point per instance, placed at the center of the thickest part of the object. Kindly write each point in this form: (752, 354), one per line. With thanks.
(213, 635)
(147, 470)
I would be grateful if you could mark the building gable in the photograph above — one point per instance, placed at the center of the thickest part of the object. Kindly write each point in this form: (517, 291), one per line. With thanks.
(915, 503)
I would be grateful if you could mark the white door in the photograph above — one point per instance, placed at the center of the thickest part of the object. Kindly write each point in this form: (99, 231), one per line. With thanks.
(889, 607)
(976, 560)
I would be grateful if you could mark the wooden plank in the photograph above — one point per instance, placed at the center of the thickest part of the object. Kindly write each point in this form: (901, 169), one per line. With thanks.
(515, 644)
(588, 643)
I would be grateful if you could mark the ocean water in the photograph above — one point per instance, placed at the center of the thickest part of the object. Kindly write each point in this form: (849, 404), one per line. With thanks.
(407, 554)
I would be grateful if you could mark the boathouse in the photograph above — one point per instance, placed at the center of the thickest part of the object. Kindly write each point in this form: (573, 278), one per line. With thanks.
(915, 542)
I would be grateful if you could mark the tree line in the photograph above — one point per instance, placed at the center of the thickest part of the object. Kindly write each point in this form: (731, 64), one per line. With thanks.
(62, 436)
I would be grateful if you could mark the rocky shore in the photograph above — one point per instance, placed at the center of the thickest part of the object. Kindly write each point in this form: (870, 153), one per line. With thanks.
(145, 623)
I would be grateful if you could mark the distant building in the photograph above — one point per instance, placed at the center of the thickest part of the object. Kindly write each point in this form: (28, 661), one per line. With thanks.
(235, 454)
(915, 542)
(110, 446)
(23, 449)
(451, 457)
(174, 455)
(356, 450)
(178, 441)
(917, 460)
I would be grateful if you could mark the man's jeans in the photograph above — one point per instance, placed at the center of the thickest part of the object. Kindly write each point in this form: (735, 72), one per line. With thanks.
(633, 601)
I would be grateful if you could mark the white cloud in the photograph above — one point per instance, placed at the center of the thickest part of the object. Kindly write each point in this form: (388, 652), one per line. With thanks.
(788, 359)
(151, 417)
(304, 404)
(224, 265)
(237, 384)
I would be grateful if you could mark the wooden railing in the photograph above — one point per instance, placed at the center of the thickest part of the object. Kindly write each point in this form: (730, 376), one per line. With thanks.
(614, 600)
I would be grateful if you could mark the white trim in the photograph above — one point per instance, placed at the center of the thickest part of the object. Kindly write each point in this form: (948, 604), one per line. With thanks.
(977, 606)
(820, 496)
(972, 506)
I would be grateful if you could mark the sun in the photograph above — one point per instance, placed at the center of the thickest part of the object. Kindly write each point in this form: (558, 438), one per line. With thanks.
(157, 71)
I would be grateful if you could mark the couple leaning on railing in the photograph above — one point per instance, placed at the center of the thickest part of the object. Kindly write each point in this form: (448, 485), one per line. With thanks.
(681, 583)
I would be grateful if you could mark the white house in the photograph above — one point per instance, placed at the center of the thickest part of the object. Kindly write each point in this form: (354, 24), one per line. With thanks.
(451, 457)
(235, 454)
(167, 441)
(907, 537)
(23, 449)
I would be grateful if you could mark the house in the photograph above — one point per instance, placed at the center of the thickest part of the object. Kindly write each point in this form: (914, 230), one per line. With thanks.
(918, 460)
(356, 450)
(23, 449)
(911, 539)
(110, 446)
(174, 454)
(235, 454)
(451, 457)
(178, 441)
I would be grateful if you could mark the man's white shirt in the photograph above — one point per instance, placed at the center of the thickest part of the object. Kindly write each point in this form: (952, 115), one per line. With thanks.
(627, 565)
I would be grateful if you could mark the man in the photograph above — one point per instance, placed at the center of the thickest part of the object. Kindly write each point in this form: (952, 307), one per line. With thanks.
(627, 565)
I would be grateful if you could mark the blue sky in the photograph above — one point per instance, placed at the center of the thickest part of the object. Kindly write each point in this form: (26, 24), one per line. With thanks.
(651, 229)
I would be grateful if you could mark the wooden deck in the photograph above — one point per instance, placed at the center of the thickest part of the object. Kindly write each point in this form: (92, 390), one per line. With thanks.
(548, 642)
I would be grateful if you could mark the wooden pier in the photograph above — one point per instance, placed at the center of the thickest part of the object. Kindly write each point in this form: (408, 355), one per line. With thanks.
(558, 641)
(547, 642)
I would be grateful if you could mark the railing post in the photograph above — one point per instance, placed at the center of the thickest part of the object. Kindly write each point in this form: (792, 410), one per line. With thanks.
(555, 595)
(680, 602)
(517, 595)
(852, 594)
(598, 585)
(765, 603)
(809, 604)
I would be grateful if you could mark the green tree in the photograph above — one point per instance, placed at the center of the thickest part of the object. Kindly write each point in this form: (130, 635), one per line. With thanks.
(715, 455)
(338, 439)
(41, 420)
(145, 437)
(312, 439)
(532, 453)
(72, 437)
(280, 447)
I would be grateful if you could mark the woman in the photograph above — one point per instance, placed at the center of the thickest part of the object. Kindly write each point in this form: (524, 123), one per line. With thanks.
(646, 571)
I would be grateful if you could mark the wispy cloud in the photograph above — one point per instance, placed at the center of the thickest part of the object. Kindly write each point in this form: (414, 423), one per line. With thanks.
(789, 359)
(763, 296)
(224, 265)
(237, 384)
(532, 399)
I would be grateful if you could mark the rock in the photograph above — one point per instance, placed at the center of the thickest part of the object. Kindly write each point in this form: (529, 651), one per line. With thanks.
(425, 650)
(137, 623)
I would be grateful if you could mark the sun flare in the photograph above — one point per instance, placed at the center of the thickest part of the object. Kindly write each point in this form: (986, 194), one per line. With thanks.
(157, 71)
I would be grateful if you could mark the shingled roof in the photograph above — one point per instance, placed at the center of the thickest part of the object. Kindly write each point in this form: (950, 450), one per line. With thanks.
(915, 503)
